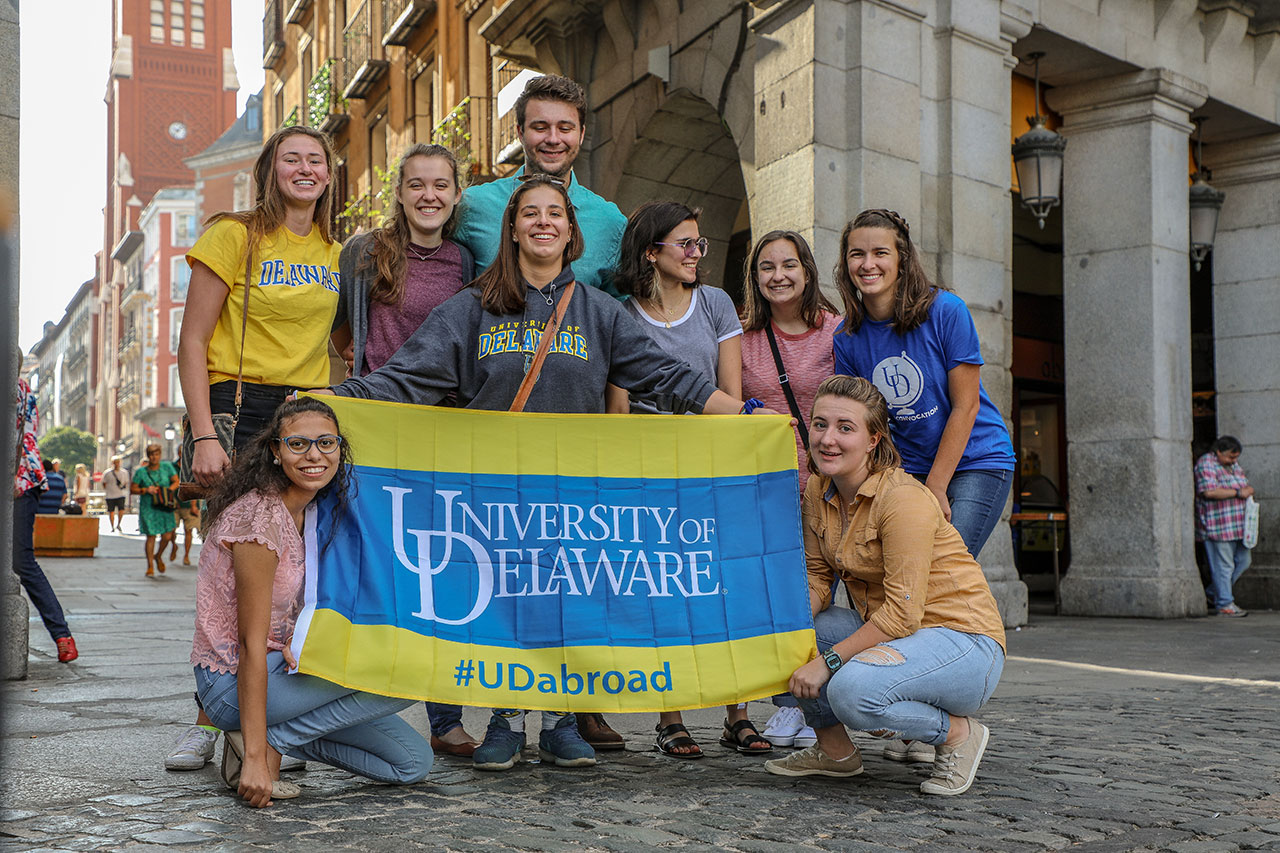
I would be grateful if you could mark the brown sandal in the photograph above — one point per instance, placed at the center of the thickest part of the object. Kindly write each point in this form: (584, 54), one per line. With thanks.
(744, 737)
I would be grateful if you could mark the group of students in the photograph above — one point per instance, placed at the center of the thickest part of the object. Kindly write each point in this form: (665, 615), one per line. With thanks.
(898, 518)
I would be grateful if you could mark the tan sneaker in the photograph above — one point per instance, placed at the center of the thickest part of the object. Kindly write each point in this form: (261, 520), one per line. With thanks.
(812, 761)
(913, 751)
(955, 767)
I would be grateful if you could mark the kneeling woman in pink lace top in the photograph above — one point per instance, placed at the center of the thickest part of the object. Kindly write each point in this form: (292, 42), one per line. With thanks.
(248, 596)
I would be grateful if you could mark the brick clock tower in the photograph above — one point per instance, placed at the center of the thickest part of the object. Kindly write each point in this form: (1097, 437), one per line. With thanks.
(171, 92)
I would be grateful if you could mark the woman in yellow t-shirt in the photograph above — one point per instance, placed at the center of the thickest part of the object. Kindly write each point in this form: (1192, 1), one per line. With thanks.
(283, 243)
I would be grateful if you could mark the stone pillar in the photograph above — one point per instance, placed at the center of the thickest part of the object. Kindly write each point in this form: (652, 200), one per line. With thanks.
(1126, 295)
(1246, 320)
(820, 67)
(965, 173)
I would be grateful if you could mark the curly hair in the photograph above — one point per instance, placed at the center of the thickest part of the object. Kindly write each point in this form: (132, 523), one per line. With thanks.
(552, 87)
(756, 311)
(268, 211)
(254, 468)
(501, 286)
(649, 223)
(388, 244)
(884, 455)
(913, 293)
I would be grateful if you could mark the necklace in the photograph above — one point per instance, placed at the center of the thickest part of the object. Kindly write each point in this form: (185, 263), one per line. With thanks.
(666, 317)
(418, 254)
(525, 324)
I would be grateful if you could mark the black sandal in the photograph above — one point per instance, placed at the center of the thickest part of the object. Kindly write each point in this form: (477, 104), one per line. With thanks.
(669, 738)
(744, 737)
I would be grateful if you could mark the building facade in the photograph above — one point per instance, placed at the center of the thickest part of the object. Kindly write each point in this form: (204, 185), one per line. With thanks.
(171, 92)
(66, 369)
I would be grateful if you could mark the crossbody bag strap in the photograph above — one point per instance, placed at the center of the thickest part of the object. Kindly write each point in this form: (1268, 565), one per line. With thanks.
(244, 330)
(552, 328)
(785, 382)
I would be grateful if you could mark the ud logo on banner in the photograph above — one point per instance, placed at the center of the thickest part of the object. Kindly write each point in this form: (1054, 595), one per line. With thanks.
(558, 562)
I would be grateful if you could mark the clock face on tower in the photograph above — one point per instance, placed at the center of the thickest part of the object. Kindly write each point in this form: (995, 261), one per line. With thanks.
(178, 131)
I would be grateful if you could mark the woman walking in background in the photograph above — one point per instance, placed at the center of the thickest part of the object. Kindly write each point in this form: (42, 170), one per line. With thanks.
(155, 515)
(80, 489)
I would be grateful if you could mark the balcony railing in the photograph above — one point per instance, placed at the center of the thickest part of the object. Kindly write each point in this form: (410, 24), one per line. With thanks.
(326, 108)
(297, 11)
(76, 392)
(506, 137)
(365, 66)
(292, 118)
(272, 34)
(466, 131)
(127, 393)
(75, 356)
(400, 17)
(127, 340)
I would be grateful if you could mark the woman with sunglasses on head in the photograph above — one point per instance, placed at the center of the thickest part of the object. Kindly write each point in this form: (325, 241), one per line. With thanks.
(658, 273)
(479, 345)
(249, 593)
(392, 279)
(788, 324)
(923, 647)
(281, 341)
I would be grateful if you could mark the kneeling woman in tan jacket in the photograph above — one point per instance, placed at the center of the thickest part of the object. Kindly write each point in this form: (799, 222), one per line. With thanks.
(924, 647)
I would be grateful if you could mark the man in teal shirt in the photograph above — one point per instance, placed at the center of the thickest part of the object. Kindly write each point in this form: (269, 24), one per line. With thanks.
(550, 117)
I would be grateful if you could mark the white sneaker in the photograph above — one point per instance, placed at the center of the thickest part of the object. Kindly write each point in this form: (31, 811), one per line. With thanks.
(806, 737)
(915, 751)
(784, 726)
(193, 750)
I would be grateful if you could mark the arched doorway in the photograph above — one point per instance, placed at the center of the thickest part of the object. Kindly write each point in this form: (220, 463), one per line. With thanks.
(685, 153)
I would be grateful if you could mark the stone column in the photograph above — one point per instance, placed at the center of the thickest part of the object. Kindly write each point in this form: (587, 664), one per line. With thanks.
(1126, 295)
(965, 172)
(821, 68)
(1246, 320)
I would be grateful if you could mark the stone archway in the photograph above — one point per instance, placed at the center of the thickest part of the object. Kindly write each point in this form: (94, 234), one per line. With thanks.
(685, 153)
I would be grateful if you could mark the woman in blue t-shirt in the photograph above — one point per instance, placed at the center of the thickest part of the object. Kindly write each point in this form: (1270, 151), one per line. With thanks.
(917, 343)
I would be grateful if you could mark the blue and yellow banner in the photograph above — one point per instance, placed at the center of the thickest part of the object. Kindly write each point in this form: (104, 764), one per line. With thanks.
(559, 562)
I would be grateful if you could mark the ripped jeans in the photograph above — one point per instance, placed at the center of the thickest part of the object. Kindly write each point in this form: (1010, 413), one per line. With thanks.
(904, 688)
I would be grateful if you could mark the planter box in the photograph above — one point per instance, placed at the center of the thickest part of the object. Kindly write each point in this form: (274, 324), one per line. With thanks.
(66, 535)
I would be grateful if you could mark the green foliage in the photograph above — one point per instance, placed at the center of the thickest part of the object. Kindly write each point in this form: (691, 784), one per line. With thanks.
(322, 96)
(71, 445)
(454, 133)
(370, 209)
(291, 119)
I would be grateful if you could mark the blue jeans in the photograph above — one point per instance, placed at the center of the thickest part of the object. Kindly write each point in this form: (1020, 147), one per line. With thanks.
(904, 688)
(977, 499)
(317, 720)
(444, 718)
(1227, 561)
(28, 570)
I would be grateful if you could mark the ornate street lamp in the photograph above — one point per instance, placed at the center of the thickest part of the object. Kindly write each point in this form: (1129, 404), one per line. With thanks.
(170, 433)
(1037, 158)
(1205, 202)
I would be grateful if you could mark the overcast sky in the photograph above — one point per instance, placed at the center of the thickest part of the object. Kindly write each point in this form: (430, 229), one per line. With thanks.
(66, 52)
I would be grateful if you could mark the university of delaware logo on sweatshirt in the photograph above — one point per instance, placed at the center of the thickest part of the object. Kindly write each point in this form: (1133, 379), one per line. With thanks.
(524, 338)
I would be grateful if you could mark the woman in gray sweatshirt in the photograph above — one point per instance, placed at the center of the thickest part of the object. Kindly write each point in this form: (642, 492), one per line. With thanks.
(480, 343)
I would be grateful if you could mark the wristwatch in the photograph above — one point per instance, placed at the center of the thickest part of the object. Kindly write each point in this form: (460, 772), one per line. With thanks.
(833, 661)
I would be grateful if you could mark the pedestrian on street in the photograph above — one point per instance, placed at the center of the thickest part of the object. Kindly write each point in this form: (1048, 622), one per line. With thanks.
(530, 285)
(188, 515)
(155, 516)
(115, 489)
(29, 480)
(249, 592)
(243, 359)
(1222, 491)
(55, 493)
(786, 353)
(924, 647)
(551, 118)
(80, 492)
(658, 273)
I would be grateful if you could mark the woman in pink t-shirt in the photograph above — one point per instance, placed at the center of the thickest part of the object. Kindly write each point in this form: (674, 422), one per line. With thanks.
(782, 298)
(248, 595)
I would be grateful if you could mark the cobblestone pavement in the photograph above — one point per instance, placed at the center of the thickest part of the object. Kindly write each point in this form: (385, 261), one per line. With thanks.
(1107, 735)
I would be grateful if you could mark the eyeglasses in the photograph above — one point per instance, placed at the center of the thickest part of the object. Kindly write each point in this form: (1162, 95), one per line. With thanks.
(299, 445)
(688, 244)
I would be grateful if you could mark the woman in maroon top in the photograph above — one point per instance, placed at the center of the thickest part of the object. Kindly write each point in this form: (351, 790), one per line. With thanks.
(392, 279)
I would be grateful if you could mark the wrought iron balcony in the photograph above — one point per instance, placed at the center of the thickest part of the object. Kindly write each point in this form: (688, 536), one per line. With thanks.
(400, 17)
(128, 393)
(127, 342)
(365, 66)
(292, 118)
(326, 108)
(467, 131)
(272, 34)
